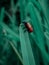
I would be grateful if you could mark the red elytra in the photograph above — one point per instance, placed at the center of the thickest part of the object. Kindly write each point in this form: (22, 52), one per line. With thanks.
(29, 27)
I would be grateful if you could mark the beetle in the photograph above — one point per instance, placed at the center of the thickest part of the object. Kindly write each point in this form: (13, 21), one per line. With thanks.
(28, 26)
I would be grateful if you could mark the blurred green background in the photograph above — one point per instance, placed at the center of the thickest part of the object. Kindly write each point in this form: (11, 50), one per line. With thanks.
(18, 46)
